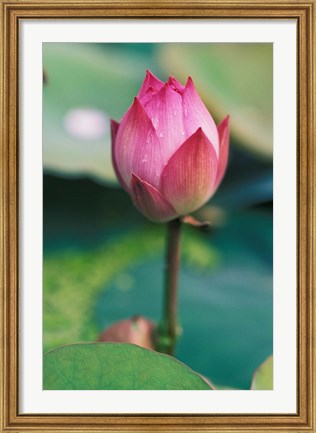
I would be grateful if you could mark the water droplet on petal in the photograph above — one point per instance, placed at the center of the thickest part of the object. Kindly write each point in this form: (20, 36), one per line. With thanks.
(155, 121)
(175, 112)
(148, 139)
(161, 134)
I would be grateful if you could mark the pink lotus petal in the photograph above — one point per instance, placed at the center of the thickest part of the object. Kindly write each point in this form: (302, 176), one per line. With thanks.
(114, 128)
(150, 201)
(147, 95)
(188, 178)
(137, 330)
(150, 81)
(137, 148)
(165, 111)
(196, 115)
(176, 85)
(223, 133)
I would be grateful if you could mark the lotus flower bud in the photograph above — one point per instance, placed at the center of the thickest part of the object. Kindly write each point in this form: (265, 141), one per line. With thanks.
(167, 151)
(137, 330)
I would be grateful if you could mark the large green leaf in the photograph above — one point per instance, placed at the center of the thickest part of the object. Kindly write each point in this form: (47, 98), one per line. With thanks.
(101, 77)
(234, 79)
(225, 298)
(114, 366)
(263, 376)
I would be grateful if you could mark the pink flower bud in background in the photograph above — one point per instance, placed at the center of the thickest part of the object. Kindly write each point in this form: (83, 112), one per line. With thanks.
(167, 151)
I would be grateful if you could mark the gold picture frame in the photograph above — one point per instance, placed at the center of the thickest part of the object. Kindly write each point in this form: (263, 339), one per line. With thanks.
(12, 12)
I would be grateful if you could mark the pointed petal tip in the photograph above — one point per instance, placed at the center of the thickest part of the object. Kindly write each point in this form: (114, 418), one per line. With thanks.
(134, 108)
(150, 80)
(190, 88)
(223, 127)
(135, 179)
(189, 82)
(150, 202)
(163, 91)
(189, 176)
(149, 73)
(225, 121)
(175, 84)
(152, 77)
(199, 116)
(223, 134)
(199, 134)
(137, 104)
(114, 123)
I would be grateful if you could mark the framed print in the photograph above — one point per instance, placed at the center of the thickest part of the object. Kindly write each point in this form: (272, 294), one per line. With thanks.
(157, 216)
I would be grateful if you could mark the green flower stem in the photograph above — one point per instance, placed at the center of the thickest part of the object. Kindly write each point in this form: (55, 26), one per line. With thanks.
(168, 329)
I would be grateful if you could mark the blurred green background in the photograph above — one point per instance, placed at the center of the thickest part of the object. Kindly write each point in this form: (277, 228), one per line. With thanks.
(103, 261)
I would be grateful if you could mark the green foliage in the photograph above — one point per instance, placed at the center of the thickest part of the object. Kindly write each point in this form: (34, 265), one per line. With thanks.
(263, 376)
(73, 278)
(95, 76)
(113, 366)
(234, 79)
